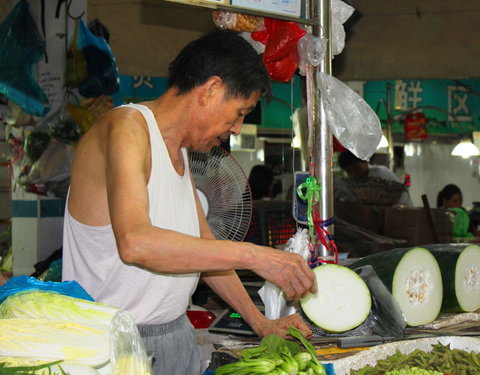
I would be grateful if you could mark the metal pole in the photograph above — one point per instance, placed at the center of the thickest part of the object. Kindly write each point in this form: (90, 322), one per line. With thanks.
(391, 155)
(320, 136)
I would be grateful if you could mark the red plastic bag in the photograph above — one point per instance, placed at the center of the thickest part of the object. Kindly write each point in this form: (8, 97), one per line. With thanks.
(280, 39)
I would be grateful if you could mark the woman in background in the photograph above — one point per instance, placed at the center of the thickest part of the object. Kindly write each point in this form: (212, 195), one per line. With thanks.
(451, 198)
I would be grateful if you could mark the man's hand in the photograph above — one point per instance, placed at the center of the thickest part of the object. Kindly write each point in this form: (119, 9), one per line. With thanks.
(281, 325)
(289, 271)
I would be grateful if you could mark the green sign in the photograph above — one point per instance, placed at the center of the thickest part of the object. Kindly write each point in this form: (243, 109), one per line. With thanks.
(451, 106)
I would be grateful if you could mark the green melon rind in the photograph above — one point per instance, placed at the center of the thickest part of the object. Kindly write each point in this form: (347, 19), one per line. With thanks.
(343, 300)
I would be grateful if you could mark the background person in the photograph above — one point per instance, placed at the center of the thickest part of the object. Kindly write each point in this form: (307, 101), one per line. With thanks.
(261, 181)
(135, 235)
(451, 198)
(358, 168)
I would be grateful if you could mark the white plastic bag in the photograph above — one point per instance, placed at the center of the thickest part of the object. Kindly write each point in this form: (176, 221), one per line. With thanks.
(341, 12)
(311, 50)
(351, 119)
(276, 306)
(338, 37)
(54, 165)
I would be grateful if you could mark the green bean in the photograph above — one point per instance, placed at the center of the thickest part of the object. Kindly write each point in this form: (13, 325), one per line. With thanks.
(441, 358)
(475, 359)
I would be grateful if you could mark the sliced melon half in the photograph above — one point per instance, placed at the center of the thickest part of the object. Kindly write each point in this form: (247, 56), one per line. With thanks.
(467, 278)
(413, 277)
(417, 286)
(343, 300)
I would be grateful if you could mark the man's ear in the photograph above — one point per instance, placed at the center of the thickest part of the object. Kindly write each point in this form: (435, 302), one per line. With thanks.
(211, 88)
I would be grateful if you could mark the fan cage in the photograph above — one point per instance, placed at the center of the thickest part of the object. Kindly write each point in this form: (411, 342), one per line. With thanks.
(225, 186)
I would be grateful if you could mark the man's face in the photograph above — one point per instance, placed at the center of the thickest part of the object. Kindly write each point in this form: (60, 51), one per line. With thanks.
(224, 116)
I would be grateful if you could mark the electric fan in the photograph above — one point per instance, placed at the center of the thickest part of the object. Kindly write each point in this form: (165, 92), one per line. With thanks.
(224, 193)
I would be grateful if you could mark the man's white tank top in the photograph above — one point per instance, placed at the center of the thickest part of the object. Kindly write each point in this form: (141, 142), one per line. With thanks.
(91, 258)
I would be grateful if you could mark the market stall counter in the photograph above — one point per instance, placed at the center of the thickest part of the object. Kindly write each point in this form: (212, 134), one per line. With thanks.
(441, 334)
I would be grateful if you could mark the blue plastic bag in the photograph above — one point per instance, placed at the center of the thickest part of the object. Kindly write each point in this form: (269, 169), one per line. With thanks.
(102, 72)
(21, 46)
(22, 283)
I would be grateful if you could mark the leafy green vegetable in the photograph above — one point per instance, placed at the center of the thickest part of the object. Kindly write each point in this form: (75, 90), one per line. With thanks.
(317, 369)
(40, 304)
(302, 359)
(253, 352)
(250, 366)
(276, 356)
(51, 340)
(5, 369)
(295, 332)
(289, 365)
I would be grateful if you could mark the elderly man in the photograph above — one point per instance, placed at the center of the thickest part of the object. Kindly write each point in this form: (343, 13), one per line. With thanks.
(135, 235)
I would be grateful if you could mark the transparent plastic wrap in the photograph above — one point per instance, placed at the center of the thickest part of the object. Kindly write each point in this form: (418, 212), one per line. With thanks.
(311, 51)
(61, 126)
(54, 165)
(35, 144)
(276, 306)
(352, 121)
(46, 326)
(341, 12)
(128, 354)
(236, 21)
(386, 317)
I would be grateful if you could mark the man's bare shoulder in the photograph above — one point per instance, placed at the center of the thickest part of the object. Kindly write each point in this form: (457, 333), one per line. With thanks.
(122, 117)
(117, 130)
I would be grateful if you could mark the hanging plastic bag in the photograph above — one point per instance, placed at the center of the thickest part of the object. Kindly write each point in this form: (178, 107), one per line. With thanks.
(352, 121)
(21, 46)
(281, 55)
(76, 65)
(276, 306)
(102, 78)
(236, 21)
(23, 283)
(88, 111)
(61, 126)
(35, 144)
(341, 12)
(54, 165)
(311, 51)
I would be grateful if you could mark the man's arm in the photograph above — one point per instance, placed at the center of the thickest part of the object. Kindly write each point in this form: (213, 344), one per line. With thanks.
(144, 245)
(229, 287)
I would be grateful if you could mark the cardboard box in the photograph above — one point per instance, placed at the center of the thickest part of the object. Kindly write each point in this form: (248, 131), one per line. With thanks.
(411, 224)
(365, 216)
